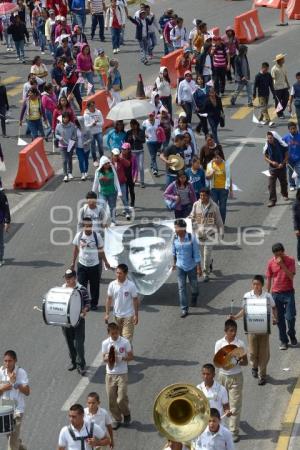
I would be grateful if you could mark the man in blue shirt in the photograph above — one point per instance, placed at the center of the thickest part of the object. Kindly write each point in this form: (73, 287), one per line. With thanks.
(186, 259)
(292, 139)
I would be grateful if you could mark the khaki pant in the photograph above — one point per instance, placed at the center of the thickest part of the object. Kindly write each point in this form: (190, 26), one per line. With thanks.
(116, 389)
(206, 255)
(234, 386)
(259, 352)
(126, 326)
(264, 113)
(14, 442)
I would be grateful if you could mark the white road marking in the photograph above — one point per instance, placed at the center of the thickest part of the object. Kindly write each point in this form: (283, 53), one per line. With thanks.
(274, 217)
(235, 153)
(148, 177)
(247, 140)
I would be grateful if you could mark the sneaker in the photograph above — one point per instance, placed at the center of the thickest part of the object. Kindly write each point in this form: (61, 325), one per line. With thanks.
(115, 425)
(70, 176)
(292, 188)
(95, 164)
(250, 104)
(146, 62)
(294, 342)
(42, 53)
(236, 438)
(83, 177)
(271, 204)
(128, 216)
(283, 346)
(232, 101)
(262, 122)
(115, 51)
(183, 314)
(81, 371)
(66, 179)
(94, 308)
(1, 263)
(286, 199)
(254, 373)
(262, 381)
(271, 124)
(143, 185)
(18, 59)
(72, 367)
(206, 278)
(127, 420)
(24, 61)
(155, 173)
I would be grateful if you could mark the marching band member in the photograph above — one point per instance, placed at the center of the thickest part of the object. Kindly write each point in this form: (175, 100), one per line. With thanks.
(116, 351)
(122, 293)
(81, 435)
(259, 347)
(215, 393)
(14, 388)
(215, 436)
(75, 335)
(93, 413)
(232, 379)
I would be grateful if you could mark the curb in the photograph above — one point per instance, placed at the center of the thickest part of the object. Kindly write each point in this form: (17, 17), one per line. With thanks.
(289, 419)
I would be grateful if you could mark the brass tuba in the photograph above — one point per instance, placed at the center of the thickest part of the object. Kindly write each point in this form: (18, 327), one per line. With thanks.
(181, 412)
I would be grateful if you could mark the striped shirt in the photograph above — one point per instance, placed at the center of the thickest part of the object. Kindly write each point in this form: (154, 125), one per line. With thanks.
(219, 57)
(96, 6)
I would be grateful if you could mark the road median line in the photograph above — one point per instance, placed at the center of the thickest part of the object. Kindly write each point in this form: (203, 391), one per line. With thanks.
(289, 419)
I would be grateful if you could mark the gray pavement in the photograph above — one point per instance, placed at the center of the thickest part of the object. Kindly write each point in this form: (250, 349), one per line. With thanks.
(167, 348)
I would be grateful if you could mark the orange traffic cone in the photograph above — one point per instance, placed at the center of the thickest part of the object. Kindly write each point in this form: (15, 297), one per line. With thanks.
(140, 91)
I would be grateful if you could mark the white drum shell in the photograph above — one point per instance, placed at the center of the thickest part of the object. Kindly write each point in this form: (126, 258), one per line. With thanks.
(257, 318)
(6, 419)
(62, 307)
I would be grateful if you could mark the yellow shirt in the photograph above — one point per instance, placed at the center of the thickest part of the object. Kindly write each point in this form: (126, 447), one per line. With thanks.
(101, 63)
(219, 175)
(34, 110)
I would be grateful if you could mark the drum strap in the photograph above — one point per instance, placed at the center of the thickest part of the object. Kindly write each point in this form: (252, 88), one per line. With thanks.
(82, 438)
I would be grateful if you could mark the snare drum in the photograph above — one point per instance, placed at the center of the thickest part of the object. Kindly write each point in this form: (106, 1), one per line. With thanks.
(257, 317)
(62, 306)
(6, 419)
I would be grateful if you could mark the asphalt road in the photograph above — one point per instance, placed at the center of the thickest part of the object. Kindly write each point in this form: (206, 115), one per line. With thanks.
(167, 348)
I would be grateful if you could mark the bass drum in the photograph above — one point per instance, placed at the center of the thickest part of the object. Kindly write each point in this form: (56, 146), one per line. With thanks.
(257, 317)
(6, 419)
(62, 306)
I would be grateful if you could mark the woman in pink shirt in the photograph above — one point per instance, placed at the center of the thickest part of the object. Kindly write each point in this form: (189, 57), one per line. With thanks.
(49, 103)
(85, 67)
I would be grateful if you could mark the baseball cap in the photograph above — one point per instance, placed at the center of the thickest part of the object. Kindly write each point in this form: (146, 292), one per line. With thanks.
(69, 273)
(115, 151)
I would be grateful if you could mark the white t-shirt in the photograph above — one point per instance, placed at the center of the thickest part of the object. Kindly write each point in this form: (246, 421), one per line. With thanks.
(15, 394)
(220, 344)
(122, 295)
(96, 215)
(207, 70)
(222, 440)
(88, 251)
(122, 348)
(216, 395)
(66, 440)
(101, 418)
(150, 129)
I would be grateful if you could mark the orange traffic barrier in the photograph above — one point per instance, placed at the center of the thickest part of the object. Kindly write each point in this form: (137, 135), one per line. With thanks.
(169, 62)
(247, 27)
(293, 9)
(101, 102)
(34, 168)
(268, 3)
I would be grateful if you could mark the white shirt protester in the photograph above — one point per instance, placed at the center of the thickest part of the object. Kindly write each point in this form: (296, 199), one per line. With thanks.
(66, 440)
(14, 394)
(122, 348)
(216, 395)
(122, 295)
(221, 440)
(88, 248)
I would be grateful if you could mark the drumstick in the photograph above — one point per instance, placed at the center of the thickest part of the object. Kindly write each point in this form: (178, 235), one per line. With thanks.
(232, 411)
(36, 308)
(231, 307)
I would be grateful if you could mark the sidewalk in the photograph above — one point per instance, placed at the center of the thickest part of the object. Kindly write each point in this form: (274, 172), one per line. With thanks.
(290, 429)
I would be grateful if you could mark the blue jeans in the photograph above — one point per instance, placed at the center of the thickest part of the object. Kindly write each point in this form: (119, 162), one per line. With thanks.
(240, 85)
(20, 49)
(115, 37)
(111, 199)
(152, 42)
(97, 139)
(220, 197)
(42, 41)
(67, 160)
(143, 43)
(286, 312)
(90, 79)
(297, 110)
(182, 275)
(153, 148)
(140, 162)
(83, 159)
(35, 128)
(79, 18)
(124, 197)
(214, 123)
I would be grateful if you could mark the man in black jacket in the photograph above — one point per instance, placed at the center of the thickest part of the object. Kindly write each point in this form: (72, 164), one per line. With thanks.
(4, 107)
(142, 33)
(242, 75)
(263, 83)
(18, 31)
(4, 217)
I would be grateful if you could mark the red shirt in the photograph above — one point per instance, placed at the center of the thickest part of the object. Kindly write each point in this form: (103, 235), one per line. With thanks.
(115, 22)
(280, 281)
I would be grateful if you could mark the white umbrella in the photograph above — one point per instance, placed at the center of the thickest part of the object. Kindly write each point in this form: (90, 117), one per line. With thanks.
(61, 37)
(130, 109)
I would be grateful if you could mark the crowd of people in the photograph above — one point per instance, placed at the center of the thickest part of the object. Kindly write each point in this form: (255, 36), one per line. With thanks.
(198, 183)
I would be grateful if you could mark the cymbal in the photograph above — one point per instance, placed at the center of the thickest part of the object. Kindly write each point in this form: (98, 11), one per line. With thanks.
(222, 358)
(177, 162)
(238, 353)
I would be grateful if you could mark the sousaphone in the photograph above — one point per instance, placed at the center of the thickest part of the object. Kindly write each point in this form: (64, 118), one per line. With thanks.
(181, 412)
